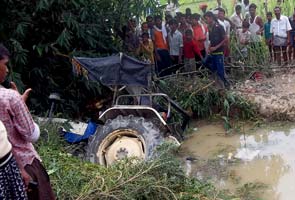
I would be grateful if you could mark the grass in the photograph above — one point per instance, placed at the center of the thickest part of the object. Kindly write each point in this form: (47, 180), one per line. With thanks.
(160, 178)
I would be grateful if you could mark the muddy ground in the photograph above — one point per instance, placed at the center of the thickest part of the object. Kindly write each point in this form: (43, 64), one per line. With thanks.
(274, 96)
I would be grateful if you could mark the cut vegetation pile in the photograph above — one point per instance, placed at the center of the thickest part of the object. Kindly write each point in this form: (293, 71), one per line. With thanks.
(199, 96)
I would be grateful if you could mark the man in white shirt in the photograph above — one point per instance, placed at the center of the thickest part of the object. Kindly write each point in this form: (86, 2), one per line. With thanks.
(237, 17)
(280, 28)
(175, 40)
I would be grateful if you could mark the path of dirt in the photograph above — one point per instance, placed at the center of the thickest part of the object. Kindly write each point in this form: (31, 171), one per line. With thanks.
(275, 96)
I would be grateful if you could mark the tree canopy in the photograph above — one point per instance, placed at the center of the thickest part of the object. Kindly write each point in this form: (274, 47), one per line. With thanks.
(43, 35)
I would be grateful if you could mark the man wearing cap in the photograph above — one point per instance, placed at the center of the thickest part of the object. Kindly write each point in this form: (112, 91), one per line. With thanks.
(203, 7)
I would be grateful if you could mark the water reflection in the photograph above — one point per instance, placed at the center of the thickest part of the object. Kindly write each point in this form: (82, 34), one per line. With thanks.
(264, 156)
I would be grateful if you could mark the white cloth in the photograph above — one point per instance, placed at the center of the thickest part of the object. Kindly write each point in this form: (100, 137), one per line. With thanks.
(226, 25)
(254, 27)
(163, 30)
(244, 37)
(280, 27)
(222, 24)
(175, 43)
(36, 133)
(5, 145)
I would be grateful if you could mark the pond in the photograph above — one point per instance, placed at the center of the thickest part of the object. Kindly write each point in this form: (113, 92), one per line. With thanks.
(258, 164)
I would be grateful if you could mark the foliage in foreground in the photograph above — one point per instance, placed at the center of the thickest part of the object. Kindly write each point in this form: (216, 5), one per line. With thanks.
(161, 178)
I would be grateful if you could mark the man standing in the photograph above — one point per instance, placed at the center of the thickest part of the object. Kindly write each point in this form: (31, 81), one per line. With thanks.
(203, 7)
(22, 131)
(237, 17)
(200, 32)
(256, 25)
(280, 29)
(175, 39)
(150, 22)
(183, 25)
(161, 47)
(217, 39)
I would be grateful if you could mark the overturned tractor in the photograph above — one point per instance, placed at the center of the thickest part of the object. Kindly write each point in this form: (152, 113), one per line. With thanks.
(137, 122)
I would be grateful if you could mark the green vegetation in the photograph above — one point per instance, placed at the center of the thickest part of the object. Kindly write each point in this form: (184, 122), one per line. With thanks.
(161, 178)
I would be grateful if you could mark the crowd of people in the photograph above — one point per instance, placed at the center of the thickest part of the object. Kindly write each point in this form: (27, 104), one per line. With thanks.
(184, 41)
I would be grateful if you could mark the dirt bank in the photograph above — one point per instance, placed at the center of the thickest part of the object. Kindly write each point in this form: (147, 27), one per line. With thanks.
(274, 97)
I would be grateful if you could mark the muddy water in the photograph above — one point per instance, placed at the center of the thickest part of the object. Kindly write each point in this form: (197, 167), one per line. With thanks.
(263, 156)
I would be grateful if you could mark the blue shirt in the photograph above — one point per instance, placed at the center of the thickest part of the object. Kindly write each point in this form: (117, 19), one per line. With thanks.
(267, 33)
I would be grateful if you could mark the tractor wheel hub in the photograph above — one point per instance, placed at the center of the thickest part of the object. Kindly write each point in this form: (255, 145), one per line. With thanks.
(124, 147)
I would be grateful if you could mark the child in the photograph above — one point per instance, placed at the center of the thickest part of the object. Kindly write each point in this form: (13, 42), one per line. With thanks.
(267, 34)
(146, 49)
(189, 50)
(243, 37)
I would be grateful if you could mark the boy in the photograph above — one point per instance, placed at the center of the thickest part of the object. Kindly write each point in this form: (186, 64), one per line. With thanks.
(146, 49)
(243, 36)
(190, 48)
(175, 43)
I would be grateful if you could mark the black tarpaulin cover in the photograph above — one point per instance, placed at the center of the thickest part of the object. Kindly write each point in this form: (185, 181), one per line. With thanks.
(119, 69)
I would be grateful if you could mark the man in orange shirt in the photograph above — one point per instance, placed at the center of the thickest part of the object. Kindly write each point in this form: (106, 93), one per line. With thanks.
(200, 34)
(161, 47)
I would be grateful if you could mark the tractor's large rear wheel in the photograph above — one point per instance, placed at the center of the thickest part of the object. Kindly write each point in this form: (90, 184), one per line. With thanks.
(123, 137)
